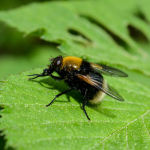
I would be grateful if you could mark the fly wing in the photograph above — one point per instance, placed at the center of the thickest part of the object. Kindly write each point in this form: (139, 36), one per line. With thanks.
(110, 71)
(99, 83)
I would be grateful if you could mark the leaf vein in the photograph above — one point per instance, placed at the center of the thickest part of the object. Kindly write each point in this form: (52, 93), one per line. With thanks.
(120, 129)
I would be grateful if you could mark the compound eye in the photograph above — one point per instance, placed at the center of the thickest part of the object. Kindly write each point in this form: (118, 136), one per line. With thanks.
(58, 62)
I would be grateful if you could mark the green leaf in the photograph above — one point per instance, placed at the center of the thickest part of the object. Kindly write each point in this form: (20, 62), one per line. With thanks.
(101, 31)
(27, 123)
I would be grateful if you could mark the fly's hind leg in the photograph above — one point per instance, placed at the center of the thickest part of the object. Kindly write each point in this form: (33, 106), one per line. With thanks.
(84, 103)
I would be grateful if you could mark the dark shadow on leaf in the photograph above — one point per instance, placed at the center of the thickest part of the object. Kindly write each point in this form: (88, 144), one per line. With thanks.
(2, 137)
(104, 111)
(115, 37)
(85, 42)
(38, 32)
(27, 43)
(3, 140)
(141, 16)
(77, 33)
(82, 43)
(61, 87)
(51, 84)
(137, 35)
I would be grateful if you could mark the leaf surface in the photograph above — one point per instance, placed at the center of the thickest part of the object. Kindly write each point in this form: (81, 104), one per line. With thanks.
(27, 123)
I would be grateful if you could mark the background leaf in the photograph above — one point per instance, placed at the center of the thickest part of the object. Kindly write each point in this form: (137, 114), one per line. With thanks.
(114, 33)
(87, 34)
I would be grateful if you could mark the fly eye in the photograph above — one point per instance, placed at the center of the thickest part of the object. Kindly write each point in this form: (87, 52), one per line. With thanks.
(58, 62)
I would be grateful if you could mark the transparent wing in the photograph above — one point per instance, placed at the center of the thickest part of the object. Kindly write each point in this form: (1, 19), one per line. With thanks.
(110, 71)
(99, 83)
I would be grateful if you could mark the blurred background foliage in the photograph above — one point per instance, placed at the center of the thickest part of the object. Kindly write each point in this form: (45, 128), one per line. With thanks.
(19, 52)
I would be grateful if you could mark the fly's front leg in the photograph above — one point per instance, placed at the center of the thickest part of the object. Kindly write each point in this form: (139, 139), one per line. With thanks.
(45, 73)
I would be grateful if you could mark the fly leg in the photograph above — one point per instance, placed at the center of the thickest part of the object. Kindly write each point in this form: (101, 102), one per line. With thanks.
(55, 77)
(84, 103)
(59, 95)
(45, 73)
